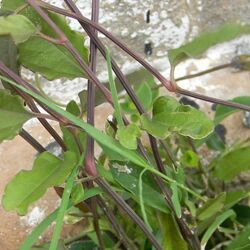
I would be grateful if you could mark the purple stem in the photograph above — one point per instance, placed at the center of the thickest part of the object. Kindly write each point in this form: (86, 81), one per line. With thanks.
(6, 71)
(32, 141)
(127, 209)
(90, 162)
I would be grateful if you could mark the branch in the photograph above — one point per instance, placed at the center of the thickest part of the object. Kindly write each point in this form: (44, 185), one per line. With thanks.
(111, 217)
(129, 211)
(117, 41)
(32, 141)
(6, 71)
(166, 83)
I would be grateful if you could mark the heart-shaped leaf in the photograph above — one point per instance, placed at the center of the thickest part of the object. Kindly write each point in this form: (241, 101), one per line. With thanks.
(12, 115)
(170, 116)
(48, 171)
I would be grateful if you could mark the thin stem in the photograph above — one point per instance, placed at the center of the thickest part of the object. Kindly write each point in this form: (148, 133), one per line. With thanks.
(71, 49)
(90, 166)
(90, 162)
(169, 153)
(21, 8)
(93, 205)
(168, 84)
(127, 209)
(48, 38)
(207, 71)
(186, 231)
(212, 99)
(223, 66)
(32, 105)
(119, 230)
(117, 41)
(118, 113)
(67, 44)
(32, 141)
(189, 236)
(43, 116)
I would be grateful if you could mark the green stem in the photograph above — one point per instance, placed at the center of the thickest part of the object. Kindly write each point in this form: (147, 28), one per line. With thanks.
(118, 114)
(64, 205)
(143, 211)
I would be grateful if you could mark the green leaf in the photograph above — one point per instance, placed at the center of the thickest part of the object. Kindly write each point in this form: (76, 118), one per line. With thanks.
(144, 95)
(101, 138)
(233, 163)
(175, 199)
(51, 60)
(77, 193)
(83, 245)
(70, 141)
(166, 104)
(45, 246)
(223, 111)
(206, 40)
(75, 37)
(128, 135)
(234, 197)
(8, 52)
(18, 26)
(214, 142)
(209, 232)
(243, 213)
(190, 159)
(171, 236)
(48, 59)
(29, 12)
(8, 55)
(28, 186)
(141, 200)
(211, 207)
(231, 199)
(171, 116)
(241, 241)
(73, 108)
(12, 115)
(130, 182)
(83, 100)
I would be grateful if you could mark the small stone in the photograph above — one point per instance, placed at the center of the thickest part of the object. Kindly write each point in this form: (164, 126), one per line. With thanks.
(187, 101)
(246, 119)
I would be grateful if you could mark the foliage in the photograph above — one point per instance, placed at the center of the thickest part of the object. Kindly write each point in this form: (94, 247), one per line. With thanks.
(184, 201)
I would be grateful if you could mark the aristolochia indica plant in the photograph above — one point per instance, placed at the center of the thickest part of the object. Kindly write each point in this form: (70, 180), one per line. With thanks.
(141, 194)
